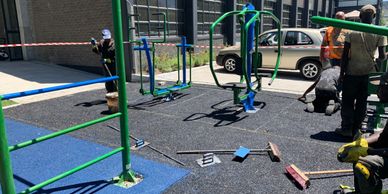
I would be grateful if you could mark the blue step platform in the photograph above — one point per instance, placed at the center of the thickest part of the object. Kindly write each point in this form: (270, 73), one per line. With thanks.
(37, 163)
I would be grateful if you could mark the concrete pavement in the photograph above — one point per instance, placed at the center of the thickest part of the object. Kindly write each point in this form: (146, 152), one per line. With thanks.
(20, 76)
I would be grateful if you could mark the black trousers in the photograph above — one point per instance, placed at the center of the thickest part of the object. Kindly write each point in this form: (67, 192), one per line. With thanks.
(354, 102)
(111, 71)
(322, 99)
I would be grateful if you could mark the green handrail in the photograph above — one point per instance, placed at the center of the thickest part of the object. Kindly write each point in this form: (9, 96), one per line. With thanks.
(62, 132)
(211, 32)
(357, 26)
(256, 17)
(164, 28)
(127, 174)
(6, 174)
(72, 171)
(278, 61)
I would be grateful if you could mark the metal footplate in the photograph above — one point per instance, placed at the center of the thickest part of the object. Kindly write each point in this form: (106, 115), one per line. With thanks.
(169, 97)
(208, 159)
(139, 144)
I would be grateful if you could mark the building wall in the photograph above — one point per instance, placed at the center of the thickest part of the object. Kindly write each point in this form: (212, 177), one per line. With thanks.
(67, 21)
(350, 5)
(77, 21)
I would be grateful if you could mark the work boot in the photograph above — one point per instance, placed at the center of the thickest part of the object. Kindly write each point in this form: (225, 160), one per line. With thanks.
(310, 107)
(343, 132)
(331, 108)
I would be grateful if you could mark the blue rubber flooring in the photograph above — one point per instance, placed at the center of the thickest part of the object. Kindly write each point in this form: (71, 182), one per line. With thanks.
(61, 154)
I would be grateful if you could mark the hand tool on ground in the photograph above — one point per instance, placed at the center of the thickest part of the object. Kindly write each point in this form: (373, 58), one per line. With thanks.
(301, 178)
(152, 148)
(110, 73)
(272, 149)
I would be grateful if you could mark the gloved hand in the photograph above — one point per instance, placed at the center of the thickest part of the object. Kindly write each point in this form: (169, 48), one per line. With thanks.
(108, 61)
(351, 154)
(93, 41)
(343, 150)
(361, 142)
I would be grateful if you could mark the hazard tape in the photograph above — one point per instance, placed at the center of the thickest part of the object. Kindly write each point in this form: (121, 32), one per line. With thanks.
(301, 47)
(159, 44)
(44, 44)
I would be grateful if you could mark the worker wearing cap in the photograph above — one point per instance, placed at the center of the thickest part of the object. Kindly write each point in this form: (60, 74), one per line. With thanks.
(106, 49)
(356, 64)
(369, 157)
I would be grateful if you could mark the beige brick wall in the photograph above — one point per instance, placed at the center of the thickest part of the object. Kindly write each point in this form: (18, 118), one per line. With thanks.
(68, 21)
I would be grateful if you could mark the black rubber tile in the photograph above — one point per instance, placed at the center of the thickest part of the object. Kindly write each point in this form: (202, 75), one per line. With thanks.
(304, 139)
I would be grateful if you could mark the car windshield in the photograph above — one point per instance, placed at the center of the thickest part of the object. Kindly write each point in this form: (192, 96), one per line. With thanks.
(269, 39)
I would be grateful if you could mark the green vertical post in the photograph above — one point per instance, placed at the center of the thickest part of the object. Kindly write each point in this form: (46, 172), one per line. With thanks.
(6, 174)
(127, 175)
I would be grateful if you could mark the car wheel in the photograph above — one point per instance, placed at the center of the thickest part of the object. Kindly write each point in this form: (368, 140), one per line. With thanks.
(230, 64)
(310, 69)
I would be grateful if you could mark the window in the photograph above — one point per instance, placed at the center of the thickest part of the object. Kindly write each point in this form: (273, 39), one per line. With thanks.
(268, 22)
(239, 6)
(208, 12)
(286, 15)
(297, 38)
(347, 3)
(299, 18)
(269, 39)
(365, 2)
(148, 24)
(311, 12)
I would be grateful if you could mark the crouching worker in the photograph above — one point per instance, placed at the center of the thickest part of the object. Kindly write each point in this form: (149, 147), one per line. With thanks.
(369, 157)
(326, 92)
(106, 49)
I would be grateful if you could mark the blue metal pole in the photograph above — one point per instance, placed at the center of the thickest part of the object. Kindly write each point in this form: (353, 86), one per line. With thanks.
(150, 65)
(250, 39)
(184, 58)
(56, 88)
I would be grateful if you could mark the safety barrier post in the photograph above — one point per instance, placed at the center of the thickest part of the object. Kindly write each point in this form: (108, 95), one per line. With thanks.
(127, 175)
(6, 174)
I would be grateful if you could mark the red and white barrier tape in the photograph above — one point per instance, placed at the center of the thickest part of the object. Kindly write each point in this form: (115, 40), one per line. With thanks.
(160, 44)
(44, 44)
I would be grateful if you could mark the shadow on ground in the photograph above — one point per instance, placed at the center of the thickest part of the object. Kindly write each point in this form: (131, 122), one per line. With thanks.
(291, 75)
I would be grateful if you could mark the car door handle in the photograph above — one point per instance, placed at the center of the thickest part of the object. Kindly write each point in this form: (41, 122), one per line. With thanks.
(276, 51)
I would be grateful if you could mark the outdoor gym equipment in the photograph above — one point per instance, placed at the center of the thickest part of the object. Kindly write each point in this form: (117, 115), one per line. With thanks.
(370, 28)
(127, 175)
(143, 45)
(249, 19)
(301, 178)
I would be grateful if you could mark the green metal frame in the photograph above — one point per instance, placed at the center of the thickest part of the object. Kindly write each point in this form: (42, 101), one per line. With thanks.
(127, 175)
(257, 55)
(362, 27)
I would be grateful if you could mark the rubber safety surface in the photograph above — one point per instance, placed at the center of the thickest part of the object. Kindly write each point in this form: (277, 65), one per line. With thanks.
(37, 163)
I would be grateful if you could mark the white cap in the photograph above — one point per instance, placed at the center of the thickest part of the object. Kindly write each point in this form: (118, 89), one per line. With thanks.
(106, 34)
